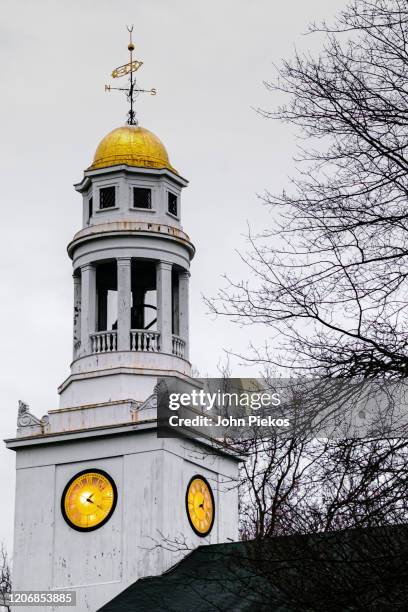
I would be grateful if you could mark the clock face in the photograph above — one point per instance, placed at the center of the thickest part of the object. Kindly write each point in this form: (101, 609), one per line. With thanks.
(89, 500)
(200, 505)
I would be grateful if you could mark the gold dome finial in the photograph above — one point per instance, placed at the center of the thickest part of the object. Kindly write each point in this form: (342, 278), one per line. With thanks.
(133, 146)
(130, 68)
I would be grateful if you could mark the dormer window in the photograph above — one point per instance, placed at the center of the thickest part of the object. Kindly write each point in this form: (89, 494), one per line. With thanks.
(107, 197)
(142, 198)
(172, 204)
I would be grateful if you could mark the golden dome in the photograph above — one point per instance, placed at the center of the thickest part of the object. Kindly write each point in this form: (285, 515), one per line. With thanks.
(133, 146)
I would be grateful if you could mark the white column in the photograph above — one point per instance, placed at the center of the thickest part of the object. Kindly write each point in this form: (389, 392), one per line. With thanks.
(184, 279)
(88, 306)
(77, 314)
(164, 311)
(124, 302)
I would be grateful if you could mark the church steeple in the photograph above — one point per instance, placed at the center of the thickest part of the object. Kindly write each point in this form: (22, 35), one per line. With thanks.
(97, 488)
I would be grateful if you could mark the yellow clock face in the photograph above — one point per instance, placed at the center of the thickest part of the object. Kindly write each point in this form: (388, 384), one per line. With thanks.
(89, 500)
(200, 505)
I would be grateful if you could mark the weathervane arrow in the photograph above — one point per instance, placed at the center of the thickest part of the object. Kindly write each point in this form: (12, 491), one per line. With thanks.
(126, 68)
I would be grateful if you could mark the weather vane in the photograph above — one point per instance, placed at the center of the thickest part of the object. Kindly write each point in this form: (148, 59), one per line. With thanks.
(130, 68)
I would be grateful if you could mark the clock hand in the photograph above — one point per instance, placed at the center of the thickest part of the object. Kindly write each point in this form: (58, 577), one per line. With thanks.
(92, 502)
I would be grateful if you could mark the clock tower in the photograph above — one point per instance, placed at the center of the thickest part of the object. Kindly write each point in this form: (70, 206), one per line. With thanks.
(101, 500)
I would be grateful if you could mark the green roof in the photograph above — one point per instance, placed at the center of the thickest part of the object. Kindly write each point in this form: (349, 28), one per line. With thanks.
(343, 570)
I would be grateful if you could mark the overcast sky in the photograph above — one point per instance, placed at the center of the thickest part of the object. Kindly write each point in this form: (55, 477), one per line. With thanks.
(208, 61)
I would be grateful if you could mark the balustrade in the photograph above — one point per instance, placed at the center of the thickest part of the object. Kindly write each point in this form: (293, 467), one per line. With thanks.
(104, 341)
(143, 340)
(140, 340)
(178, 346)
